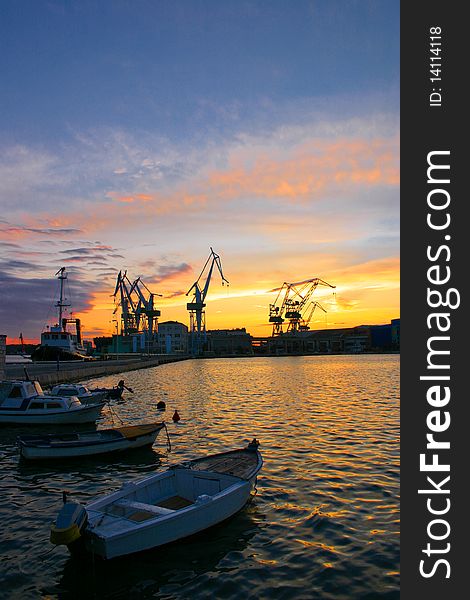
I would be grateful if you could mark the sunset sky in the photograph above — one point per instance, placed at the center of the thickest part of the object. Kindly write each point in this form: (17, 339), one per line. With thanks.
(136, 134)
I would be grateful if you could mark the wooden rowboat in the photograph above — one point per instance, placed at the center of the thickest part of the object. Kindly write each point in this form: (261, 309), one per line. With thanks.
(102, 441)
(183, 500)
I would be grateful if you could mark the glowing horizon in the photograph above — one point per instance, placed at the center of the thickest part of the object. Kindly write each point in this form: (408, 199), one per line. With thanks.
(228, 308)
(273, 154)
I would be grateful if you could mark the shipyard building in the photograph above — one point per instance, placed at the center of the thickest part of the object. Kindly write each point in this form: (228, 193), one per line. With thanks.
(172, 338)
(351, 340)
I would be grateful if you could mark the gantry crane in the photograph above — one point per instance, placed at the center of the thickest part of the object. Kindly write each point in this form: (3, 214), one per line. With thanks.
(292, 303)
(125, 302)
(305, 324)
(134, 306)
(145, 306)
(197, 315)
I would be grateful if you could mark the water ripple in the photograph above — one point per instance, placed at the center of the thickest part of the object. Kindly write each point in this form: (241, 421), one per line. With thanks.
(325, 521)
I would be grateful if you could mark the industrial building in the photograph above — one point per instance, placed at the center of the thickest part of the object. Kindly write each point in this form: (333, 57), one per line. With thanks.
(229, 341)
(351, 340)
(172, 338)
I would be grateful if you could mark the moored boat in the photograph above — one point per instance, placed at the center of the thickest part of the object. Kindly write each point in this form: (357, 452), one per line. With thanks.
(82, 392)
(115, 392)
(91, 443)
(181, 501)
(88, 395)
(24, 402)
(57, 342)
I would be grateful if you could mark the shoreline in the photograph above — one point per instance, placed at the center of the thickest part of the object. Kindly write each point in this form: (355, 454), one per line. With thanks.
(48, 374)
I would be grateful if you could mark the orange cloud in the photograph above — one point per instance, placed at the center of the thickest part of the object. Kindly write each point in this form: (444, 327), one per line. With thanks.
(312, 171)
(130, 199)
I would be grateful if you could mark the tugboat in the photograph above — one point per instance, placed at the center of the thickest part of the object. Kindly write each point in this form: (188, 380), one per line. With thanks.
(56, 342)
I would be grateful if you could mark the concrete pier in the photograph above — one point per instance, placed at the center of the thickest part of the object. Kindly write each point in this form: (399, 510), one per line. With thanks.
(51, 373)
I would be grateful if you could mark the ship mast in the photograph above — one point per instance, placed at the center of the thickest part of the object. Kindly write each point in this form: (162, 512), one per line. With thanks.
(61, 303)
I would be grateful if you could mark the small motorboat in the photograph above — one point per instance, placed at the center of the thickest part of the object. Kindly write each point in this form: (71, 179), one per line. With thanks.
(115, 392)
(183, 500)
(91, 443)
(84, 394)
(25, 402)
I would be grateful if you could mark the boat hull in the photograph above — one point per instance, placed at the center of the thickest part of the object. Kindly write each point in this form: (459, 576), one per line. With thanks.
(84, 414)
(31, 451)
(94, 398)
(71, 390)
(48, 353)
(171, 528)
(165, 507)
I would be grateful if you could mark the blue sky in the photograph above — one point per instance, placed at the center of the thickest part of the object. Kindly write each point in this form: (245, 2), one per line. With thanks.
(168, 118)
(181, 68)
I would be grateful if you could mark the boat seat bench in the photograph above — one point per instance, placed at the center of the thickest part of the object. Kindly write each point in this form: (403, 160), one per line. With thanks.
(157, 510)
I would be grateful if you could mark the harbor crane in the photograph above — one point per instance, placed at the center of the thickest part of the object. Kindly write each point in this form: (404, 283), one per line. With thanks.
(293, 303)
(305, 324)
(145, 306)
(138, 312)
(128, 321)
(197, 315)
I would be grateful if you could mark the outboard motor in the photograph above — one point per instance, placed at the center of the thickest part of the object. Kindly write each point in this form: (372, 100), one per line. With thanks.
(70, 523)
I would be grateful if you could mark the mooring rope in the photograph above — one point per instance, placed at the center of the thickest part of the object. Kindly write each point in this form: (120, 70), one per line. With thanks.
(167, 437)
(113, 414)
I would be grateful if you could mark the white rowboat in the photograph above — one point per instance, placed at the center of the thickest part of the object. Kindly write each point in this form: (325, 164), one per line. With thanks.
(181, 501)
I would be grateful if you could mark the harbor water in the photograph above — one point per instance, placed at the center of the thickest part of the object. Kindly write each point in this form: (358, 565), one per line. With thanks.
(324, 523)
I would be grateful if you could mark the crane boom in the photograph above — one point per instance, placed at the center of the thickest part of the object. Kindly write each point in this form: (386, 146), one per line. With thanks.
(295, 299)
(197, 305)
(134, 305)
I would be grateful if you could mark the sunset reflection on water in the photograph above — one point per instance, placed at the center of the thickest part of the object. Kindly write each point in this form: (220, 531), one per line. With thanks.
(324, 522)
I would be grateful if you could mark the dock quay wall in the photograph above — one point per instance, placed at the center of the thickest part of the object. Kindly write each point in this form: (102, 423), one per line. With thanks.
(49, 373)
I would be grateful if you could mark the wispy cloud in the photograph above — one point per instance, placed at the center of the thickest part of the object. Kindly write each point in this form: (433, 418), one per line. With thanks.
(20, 231)
(318, 172)
(27, 301)
(170, 271)
(296, 202)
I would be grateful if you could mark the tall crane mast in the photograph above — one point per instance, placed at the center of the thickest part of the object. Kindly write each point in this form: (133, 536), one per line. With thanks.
(197, 315)
(292, 301)
(128, 320)
(62, 302)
